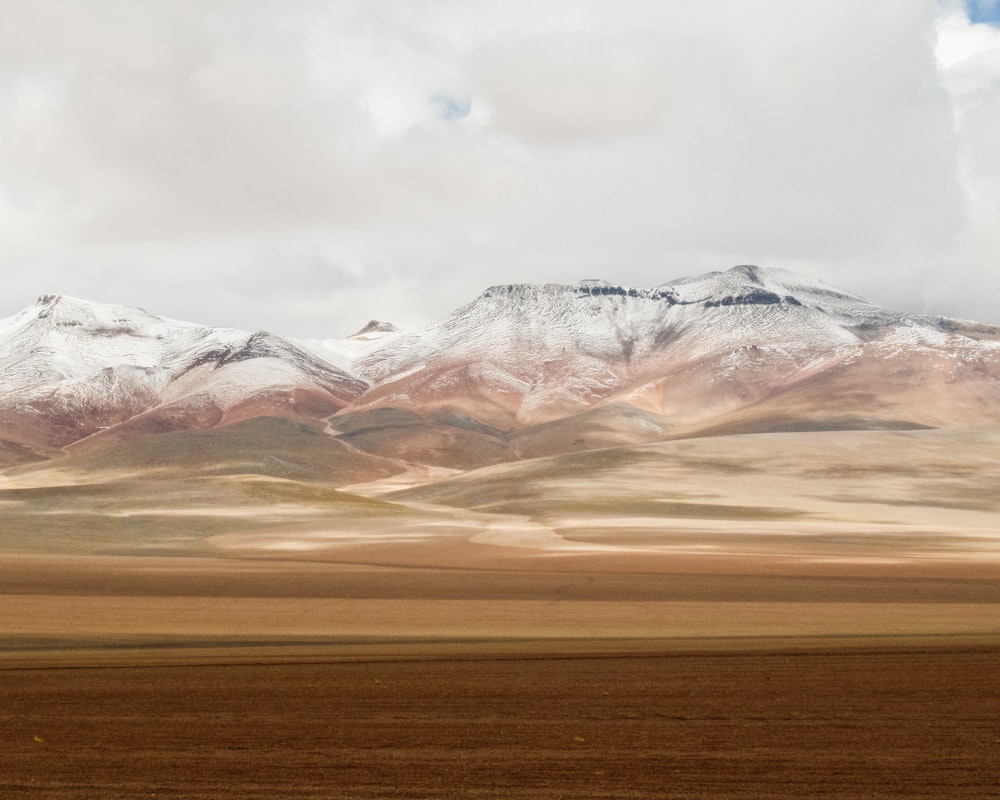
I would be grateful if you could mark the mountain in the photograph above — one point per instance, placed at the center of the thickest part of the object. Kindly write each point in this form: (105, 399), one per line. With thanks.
(72, 368)
(520, 371)
(748, 346)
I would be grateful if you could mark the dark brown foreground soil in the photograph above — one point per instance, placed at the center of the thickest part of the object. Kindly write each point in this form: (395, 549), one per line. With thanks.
(491, 721)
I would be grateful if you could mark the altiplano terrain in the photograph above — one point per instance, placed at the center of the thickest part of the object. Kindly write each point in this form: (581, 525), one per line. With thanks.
(734, 536)
(778, 615)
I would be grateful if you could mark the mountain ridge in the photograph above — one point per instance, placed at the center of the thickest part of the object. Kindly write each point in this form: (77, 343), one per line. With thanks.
(748, 346)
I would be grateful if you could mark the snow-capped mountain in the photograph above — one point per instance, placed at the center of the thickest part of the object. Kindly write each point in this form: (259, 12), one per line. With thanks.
(71, 368)
(692, 350)
(345, 353)
(745, 349)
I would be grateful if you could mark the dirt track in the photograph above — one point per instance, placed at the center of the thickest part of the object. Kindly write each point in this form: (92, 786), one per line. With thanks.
(841, 721)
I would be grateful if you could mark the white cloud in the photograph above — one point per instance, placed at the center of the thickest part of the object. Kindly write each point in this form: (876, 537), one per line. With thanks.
(969, 59)
(304, 166)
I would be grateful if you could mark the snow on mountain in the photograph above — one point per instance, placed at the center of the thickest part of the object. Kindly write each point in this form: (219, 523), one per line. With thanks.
(747, 346)
(344, 353)
(73, 367)
(606, 323)
(693, 347)
(749, 283)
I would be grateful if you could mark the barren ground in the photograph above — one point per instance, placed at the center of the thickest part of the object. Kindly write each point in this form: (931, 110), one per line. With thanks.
(714, 619)
(779, 721)
(205, 678)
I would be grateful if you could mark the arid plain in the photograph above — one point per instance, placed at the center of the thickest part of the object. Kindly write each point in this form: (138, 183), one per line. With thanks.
(772, 615)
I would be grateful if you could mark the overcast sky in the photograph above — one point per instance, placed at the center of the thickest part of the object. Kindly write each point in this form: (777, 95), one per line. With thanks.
(303, 166)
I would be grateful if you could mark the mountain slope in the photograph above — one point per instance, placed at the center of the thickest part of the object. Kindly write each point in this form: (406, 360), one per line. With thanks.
(72, 368)
(521, 371)
(692, 351)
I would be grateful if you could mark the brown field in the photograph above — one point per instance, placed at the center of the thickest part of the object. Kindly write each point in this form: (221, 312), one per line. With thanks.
(213, 677)
(904, 720)
(749, 617)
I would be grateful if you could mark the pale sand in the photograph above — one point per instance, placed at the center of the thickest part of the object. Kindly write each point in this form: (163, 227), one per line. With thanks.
(93, 617)
(805, 545)
(467, 540)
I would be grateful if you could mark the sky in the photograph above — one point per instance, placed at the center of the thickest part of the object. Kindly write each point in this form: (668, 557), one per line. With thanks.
(303, 166)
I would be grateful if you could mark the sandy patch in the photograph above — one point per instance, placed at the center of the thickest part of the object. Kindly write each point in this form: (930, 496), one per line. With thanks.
(93, 617)
(809, 540)
(276, 510)
(415, 475)
(524, 533)
(96, 616)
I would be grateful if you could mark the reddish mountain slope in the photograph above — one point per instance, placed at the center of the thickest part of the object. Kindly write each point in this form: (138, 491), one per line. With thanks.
(522, 370)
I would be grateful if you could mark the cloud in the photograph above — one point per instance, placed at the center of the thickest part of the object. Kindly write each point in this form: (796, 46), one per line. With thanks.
(569, 87)
(304, 166)
(969, 58)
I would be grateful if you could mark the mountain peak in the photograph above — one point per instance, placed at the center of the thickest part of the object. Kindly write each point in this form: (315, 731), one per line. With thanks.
(746, 284)
(65, 312)
(48, 303)
(750, 284)
(690, 350)
(750, 271)
(374, 327)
